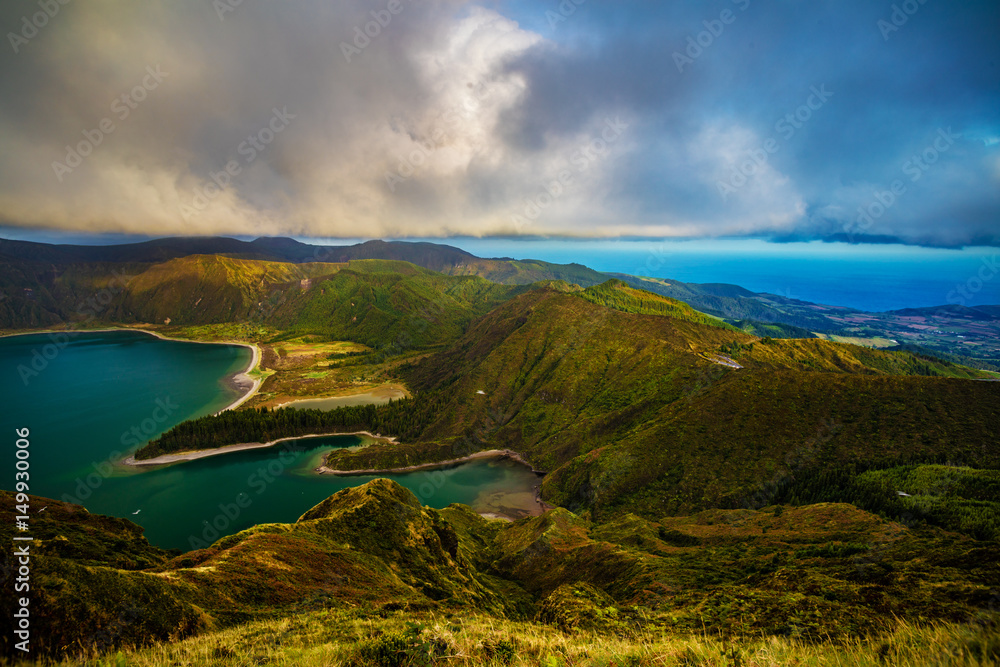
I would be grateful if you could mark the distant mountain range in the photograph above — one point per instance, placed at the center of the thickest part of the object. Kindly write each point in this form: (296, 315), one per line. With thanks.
(44, 284)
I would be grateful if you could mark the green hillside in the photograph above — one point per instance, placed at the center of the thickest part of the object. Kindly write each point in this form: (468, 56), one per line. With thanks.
(618, 295)
(202, 289)
(526, 272)
(717, 494)
(735, 303)
(381, 303)
(347, 577)
(216, 280)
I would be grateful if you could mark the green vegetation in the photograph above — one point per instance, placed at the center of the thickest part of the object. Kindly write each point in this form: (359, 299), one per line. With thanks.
(628, 413)
(772, 329)
(824, 503)
(958, 498)
(930, 354)
(264, 425)
(369, 576)
(619, 296)
(737, 304)
(389, 306)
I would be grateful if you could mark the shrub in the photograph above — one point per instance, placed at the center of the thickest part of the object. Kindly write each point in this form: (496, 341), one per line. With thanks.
(502, 651)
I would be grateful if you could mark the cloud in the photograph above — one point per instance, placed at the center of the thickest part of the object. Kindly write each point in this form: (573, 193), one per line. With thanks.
(451, 118)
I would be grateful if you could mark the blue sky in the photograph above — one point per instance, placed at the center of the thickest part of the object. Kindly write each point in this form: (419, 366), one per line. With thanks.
(788, 121)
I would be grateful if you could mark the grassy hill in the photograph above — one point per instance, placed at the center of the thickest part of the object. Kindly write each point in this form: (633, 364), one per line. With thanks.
(202, 289)
(719, 494)
(619, 405)
(43, 286)
(382, 303)
(618, 295)
(369, 577)
(735, 303)
(526, 272)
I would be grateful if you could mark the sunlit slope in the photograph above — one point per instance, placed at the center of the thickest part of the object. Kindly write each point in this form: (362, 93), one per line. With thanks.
(391, 305)
(382, 303)
(525, 272)
(46, 285)
(202, 289)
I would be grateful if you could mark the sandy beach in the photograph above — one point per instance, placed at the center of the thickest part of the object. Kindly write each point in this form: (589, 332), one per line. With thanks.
(243, 379)
(229, 449)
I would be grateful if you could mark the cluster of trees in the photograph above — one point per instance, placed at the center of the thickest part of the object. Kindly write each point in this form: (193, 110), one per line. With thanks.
(405, 419)
(934, 356)
(736, 349)
(960, 499)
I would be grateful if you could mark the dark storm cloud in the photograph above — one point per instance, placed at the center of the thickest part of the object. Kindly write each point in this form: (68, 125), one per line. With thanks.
(893, 90)
(459, 119)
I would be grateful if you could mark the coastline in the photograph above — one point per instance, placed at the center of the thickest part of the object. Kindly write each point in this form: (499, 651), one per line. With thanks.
(241, 379)
(167, 459)
(238, 381)
(540, 505)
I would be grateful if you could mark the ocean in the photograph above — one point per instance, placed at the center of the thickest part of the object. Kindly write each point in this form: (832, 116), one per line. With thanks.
(873, 278)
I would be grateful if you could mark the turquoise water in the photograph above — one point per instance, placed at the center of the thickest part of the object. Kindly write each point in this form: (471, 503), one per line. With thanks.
(102, 394)
(866, 277)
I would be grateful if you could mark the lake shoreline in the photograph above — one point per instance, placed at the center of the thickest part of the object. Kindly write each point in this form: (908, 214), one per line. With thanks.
(540, 506)
(194, 455)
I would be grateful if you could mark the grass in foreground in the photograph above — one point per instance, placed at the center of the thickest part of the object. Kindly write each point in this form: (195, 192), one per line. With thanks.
(333, 638)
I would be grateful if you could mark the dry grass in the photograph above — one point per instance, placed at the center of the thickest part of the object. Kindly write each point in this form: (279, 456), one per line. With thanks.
(328, 639)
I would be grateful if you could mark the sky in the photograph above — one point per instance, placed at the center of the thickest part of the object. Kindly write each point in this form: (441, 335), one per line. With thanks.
(785, 121)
